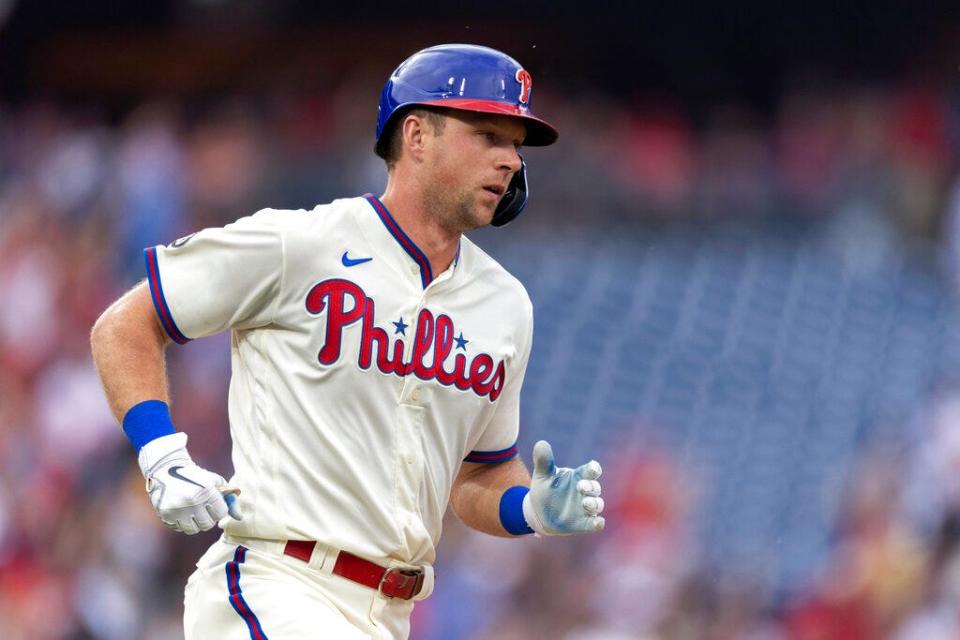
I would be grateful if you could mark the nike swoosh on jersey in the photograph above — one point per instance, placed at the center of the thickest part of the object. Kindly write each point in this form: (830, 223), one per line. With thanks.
(175, 472)
(352, 262)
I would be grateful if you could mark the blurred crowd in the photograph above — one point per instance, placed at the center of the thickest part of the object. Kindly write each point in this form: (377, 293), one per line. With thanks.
(82, 191)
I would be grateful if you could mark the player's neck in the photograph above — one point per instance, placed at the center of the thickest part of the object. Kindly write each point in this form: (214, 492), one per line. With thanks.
(438, 243)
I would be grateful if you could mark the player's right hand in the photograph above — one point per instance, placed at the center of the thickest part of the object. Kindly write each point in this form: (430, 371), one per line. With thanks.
(187, 497)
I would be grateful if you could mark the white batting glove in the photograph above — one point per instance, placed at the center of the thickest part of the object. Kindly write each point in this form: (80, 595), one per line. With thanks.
(562, 501)
(187, 498)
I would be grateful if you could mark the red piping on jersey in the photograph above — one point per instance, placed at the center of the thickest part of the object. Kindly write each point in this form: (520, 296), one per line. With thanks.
(426, 274)
(159, 301)
(492, 456)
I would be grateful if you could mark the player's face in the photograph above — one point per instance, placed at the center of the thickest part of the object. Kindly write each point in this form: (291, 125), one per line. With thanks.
(470, 166)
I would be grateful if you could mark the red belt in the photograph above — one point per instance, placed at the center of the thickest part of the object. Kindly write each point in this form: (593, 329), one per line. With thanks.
(393, 583)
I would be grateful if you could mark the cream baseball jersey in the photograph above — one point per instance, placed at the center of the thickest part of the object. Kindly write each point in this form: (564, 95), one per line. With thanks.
(360, 380)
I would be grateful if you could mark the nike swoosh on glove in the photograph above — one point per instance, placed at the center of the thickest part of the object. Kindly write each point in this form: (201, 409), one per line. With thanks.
(187, 497)
(562, 501)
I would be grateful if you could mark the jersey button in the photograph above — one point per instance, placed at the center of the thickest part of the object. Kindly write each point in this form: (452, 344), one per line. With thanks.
(416, 395)
(414, 269)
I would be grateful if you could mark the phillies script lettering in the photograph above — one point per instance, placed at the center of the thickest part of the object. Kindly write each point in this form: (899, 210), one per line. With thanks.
(346, 304)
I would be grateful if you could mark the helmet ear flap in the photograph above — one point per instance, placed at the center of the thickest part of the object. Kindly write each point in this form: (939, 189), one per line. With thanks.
(514, 199)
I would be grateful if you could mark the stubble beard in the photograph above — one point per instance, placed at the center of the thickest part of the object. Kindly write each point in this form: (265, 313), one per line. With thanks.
(457, 213)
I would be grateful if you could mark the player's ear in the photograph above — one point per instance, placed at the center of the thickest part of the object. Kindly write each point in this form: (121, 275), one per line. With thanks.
(414, 135)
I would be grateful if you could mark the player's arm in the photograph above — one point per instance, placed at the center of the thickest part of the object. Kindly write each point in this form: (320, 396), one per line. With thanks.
(128, 350)
(128, 344)
(503, 499)
(478, 489)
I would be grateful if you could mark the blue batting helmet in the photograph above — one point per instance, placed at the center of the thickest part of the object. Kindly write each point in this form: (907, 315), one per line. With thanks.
(468, 78)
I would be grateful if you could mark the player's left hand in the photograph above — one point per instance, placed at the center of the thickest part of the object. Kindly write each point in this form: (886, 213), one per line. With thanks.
(562, 501)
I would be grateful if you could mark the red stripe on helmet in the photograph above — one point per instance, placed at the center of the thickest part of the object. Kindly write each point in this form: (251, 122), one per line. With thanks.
(540, 134)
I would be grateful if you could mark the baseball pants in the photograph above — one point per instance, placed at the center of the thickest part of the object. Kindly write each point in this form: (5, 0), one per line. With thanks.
(247, 589)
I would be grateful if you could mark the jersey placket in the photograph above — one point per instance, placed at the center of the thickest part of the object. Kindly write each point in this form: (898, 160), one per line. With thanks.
(413, 414)
(414, 394)
(411, 425)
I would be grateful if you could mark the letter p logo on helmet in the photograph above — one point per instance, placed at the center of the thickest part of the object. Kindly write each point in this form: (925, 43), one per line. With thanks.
(526, 84)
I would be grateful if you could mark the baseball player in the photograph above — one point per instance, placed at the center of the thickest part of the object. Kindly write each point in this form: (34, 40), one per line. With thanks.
(377, 360)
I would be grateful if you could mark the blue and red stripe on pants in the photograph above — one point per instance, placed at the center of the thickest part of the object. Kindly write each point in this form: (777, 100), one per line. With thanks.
(236, 595)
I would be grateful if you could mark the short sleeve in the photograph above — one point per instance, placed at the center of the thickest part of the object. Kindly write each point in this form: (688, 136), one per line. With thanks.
(498, 442)
(218, 278)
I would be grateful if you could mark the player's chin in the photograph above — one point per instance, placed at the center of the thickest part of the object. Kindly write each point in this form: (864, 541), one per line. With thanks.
(485, 209)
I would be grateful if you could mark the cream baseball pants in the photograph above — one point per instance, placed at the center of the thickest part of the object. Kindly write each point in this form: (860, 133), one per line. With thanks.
(247, 589)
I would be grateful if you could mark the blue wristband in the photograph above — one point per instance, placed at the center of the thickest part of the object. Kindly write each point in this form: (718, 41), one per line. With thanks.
(511, 511)
(147, 421)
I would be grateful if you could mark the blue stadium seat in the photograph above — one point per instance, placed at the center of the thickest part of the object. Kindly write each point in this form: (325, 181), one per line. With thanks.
(760, 354)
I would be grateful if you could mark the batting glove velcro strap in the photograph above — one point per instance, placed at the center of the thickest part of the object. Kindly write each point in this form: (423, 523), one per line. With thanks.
(187, 497)
(563, 501)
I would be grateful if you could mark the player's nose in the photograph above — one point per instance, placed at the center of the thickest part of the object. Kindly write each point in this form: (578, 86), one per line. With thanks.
(511, 160)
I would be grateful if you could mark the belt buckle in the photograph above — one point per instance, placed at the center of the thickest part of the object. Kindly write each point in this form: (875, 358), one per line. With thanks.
(403, 583)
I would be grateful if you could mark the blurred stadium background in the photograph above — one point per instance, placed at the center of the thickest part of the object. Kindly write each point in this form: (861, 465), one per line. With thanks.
(743, 256)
